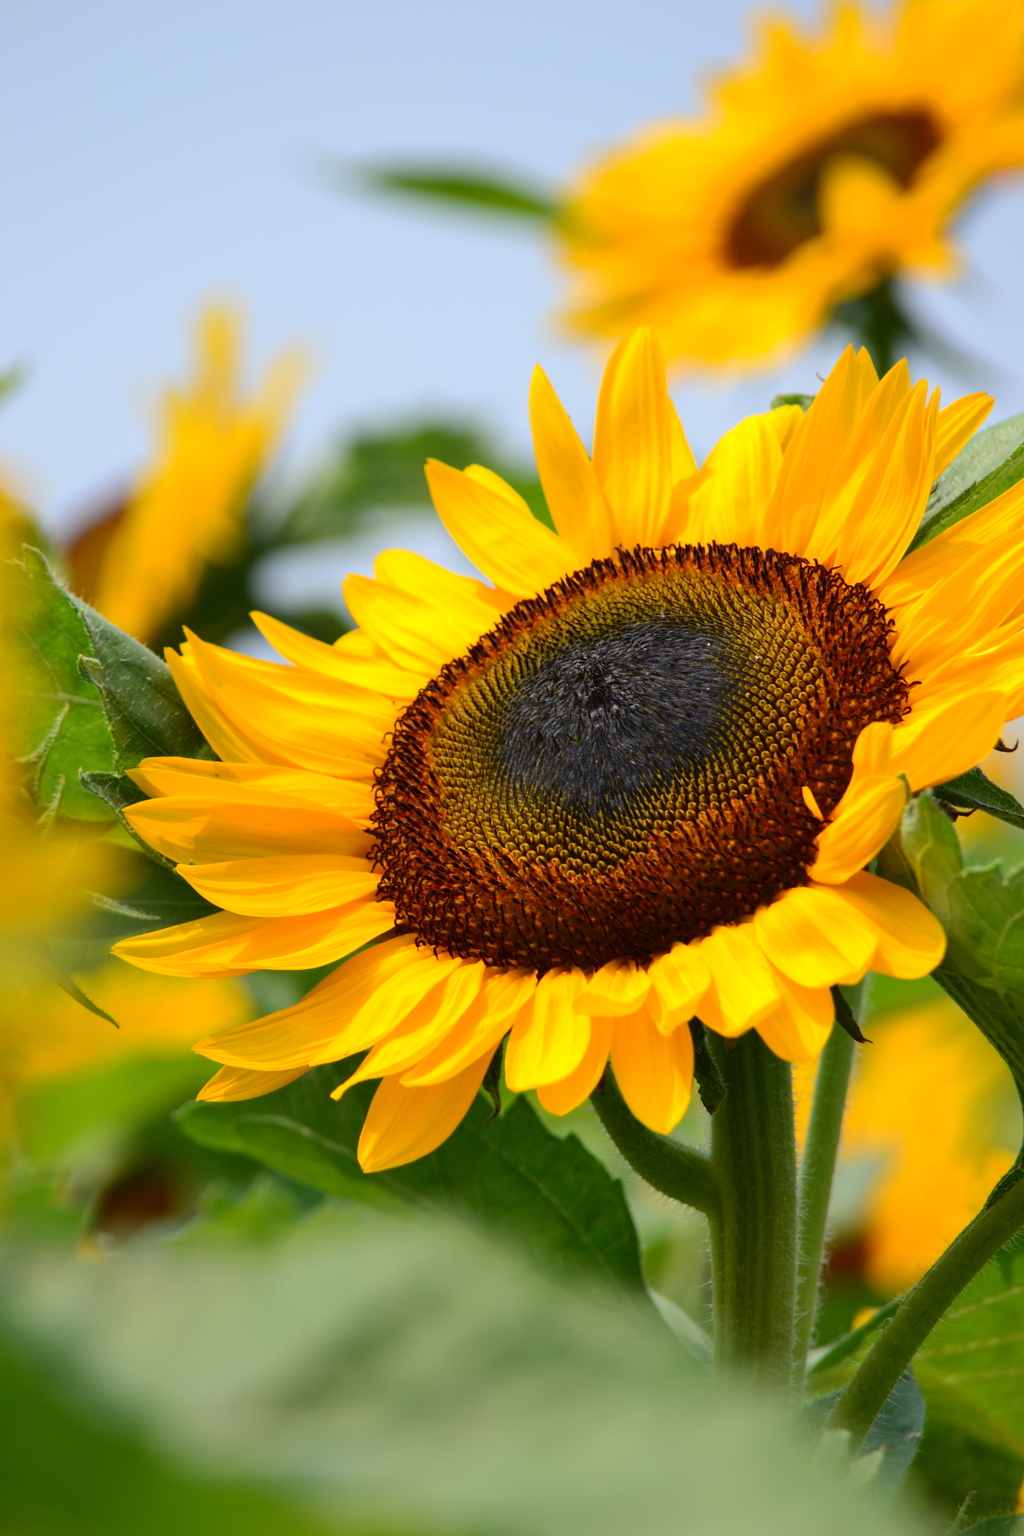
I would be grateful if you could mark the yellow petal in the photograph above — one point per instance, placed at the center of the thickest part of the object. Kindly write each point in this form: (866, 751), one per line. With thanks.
(910, 941)
(679, 980)
(654, 1071)
(617, 988)
(289, 1038)
(372, 672)
(799, 1027)
(563, 1097)
(731, 503)
(403, 1124)
(505, 995)
(196, 827)
(413, 633)
(231, 1084)
(956, 425)
(350, 803)
(743, 989)
(227, 741)
(937, 745)
(548, 1042)
(862, 823)
(633, 439)
(571, 486)
(503, 540)
(815, 938)
(228, 945)
(283, 886)
(394, 1001)
(425, 1027)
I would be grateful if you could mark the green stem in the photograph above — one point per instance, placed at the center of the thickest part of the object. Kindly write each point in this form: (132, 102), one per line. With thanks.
(753, 1246)
(816, 1174)
(923, 1308)
(681, 1172)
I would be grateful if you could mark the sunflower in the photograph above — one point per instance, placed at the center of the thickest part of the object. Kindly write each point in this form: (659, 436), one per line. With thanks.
(824, 167)
(634, 781)
(139, 564)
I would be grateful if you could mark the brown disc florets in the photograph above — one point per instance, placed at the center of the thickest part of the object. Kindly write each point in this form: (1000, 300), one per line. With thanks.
(619, 764)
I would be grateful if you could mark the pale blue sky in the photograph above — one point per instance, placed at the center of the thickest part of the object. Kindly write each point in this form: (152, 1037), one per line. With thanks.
(151, 155)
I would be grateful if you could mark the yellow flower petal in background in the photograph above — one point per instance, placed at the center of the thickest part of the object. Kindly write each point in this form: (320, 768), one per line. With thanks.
(141, 566)
(823, 165)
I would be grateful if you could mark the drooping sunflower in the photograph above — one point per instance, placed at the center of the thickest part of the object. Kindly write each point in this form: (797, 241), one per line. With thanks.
(823, 167)
(140, 562)
(632, 777)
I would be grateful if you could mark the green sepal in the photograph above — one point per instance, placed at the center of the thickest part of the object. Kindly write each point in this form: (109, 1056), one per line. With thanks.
(145, 711)
(803, 401)
(988, 465)
(547, 1194)
(975, 791)
(68, 984)
(710, 1083)
(982, 911)
(467, 187)
(62, 726)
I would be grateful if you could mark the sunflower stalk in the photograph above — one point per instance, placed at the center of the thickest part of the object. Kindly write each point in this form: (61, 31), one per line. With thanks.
(923, 1309)
(754, 1244)
(818, 1171)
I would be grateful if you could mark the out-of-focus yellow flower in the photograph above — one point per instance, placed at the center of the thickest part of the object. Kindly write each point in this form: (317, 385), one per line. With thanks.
(824, 166)
(46, 1035)
(936, 1105)
(140, 564)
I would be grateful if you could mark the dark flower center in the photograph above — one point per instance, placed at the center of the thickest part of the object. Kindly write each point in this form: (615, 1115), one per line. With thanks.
(619, 764)
(782, 211)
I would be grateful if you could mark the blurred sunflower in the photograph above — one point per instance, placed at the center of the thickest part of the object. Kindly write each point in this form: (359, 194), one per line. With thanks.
(824, 167)
(935, 1102)
(140, 563)
(635, 780)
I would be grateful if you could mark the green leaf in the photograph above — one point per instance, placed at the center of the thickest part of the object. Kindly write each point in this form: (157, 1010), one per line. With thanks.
(987, 466)
(468, 187)
(999, 1525)
(982, 911)
(971, 1371)
(405, 1369)
(547, 1194)
(975, 791)
(62, 726)
(67, 1474)
(143, 706)
(68, 984)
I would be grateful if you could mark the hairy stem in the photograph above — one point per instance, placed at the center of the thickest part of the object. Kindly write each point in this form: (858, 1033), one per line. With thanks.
(816, 1174)
(753, 1246)
(924, 1306)
(681, 1172)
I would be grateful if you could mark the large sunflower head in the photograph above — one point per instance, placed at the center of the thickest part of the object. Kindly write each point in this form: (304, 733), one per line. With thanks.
(822, 167)
(630, 778)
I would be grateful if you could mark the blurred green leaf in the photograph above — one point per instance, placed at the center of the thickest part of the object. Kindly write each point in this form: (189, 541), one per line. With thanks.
(971, 1371)
(384, 471)
(987, 466)
(408, 1372)
(67, 1474)
(975, 791)
(547, 1194)
(63, 727)
(999, 1525)
(467, 187)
